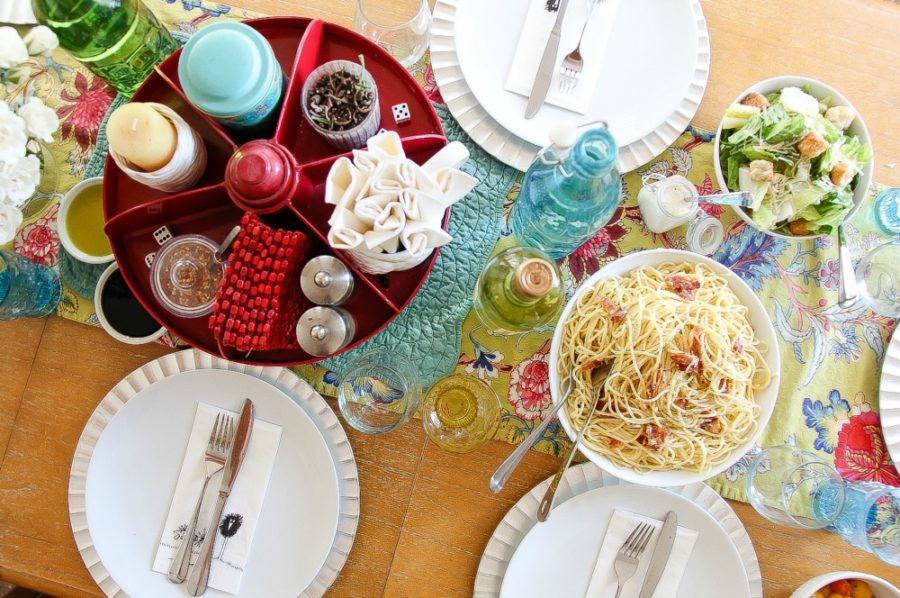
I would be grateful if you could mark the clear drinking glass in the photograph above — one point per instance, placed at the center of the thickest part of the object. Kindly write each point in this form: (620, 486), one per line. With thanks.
(795, 488)
(401, 27)
(878, 279)
(379, 392)
(870, 520)
(27, 289)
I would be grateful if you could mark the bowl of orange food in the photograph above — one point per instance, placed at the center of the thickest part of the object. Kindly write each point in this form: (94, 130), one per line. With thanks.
(846, 584)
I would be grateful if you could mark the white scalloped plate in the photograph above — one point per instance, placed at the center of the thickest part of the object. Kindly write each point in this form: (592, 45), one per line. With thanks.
(889, 398)
(518, 153)
(279, 393)
(578, 480)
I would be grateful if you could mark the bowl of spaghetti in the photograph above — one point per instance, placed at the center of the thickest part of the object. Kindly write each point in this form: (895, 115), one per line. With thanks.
(695, 365)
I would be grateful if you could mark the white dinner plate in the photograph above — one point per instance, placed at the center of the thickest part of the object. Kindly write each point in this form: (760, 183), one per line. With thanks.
(889, 398)
(759, 320)
(517, 152)
(128, 459)
(557, 558)
(578, 479)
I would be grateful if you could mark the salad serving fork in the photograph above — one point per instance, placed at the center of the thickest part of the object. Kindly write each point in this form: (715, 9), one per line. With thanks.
(573, 63)
(217, 449)
(629, 555)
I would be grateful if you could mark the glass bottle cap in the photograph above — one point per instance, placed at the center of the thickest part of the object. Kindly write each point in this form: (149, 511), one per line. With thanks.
(563, 134)
(326, 280)
(186, 275)
(705, 235)
(535, 277)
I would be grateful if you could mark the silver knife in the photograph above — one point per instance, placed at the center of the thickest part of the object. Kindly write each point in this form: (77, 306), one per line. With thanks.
(661, 553)
(548, 65)
(199, 575)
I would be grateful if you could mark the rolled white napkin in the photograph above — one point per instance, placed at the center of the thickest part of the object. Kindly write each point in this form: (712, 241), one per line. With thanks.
(412, 176)
(622, 523)
(453, 185)
(344, 218)
(452, 155)
(386, 147)
(365, 161)
(420, 238)
(344, 238)
(419, 206)
(527, 58)
(242, 509)
(344, 183)
(385, 233)
(368, 209)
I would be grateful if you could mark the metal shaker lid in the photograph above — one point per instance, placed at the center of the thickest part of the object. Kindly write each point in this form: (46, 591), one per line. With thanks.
(322, 331)
(326, 280)
(536, 277)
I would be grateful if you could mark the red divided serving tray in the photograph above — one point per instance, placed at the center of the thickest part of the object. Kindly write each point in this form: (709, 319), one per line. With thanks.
(134, 211)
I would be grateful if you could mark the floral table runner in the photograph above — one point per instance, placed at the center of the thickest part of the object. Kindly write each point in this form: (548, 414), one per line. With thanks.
(831, 356)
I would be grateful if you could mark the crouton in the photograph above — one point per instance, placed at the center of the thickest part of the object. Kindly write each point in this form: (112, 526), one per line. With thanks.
(811, 145)
(842, 173)
(755, 99)
(762, 170)
(840, 116)
(799, 227)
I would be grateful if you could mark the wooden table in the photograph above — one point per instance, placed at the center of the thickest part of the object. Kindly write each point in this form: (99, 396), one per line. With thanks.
(427, 514)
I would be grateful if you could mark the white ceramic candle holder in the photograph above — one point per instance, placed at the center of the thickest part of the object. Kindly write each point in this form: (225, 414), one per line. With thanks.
(186, 166)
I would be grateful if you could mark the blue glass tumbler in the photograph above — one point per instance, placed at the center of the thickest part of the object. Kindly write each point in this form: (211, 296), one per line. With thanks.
(27, 289)
(870, 519)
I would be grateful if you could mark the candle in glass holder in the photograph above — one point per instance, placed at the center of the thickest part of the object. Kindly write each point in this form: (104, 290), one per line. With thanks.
(141, 135)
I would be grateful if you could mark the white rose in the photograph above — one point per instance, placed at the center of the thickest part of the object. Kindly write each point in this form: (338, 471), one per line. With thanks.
(40, 121)
(13, 136)
(41, 40)
(12, 48)
(10, 221)
(20, 178)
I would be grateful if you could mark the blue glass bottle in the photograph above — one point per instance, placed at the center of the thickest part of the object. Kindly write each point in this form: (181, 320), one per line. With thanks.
(569, 193)
(27, 289)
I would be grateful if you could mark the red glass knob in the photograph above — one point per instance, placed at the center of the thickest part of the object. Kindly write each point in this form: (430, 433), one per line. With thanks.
(261, 176)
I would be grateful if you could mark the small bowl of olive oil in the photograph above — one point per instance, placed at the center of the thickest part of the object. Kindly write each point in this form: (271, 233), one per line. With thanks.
(80, 223)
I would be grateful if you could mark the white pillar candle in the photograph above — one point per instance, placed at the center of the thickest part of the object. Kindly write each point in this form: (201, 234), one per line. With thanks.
(142, 136)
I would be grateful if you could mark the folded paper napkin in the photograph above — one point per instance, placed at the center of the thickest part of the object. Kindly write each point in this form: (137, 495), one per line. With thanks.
(383, 200)
(603, 582)
(235, 531)
(532, 41)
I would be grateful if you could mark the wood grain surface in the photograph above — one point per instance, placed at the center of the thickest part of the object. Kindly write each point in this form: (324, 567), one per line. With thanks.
(427, 514)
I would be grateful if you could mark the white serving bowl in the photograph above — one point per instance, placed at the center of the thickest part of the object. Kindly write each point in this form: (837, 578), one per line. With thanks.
(880, 588)
(759, 320)
(820, 91)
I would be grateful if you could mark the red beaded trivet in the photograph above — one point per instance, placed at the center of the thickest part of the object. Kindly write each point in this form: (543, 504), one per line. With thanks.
(259, 301)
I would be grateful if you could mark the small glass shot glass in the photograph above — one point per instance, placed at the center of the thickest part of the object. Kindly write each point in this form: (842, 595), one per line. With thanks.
(795, 488)
(401, 28)
(460, 413)
(356, 136)
(379, 392)
(878, 279)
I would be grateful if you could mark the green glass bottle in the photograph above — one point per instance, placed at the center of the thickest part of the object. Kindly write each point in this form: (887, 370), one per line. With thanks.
(119, 40)
(519, 290)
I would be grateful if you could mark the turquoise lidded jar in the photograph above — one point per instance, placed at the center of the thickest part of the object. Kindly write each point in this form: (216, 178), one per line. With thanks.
(229, 71)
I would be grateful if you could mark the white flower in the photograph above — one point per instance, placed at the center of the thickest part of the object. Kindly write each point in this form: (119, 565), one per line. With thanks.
(12, 48)
(10, 220)
(40, 121)
(12, 134)
(41, 40)
(19, 179)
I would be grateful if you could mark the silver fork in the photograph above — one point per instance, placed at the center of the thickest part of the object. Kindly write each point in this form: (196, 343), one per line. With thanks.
(217, 448)
(629, 555)
(573, 63)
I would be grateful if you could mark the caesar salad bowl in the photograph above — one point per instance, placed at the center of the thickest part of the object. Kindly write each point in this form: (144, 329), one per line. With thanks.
(811, 165)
